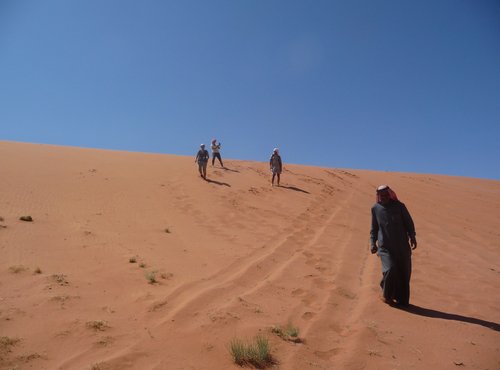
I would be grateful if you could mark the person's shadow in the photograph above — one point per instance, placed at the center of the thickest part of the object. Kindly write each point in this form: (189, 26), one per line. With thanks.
(294, 188)
(229, 169)
(217, 182)
(427, 312)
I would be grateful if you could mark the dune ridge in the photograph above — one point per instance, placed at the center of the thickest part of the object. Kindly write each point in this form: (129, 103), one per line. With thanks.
(233, 257)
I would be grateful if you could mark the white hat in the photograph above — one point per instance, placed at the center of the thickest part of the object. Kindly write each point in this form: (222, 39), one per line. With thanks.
(382, 187)
(276, 150)
(202, 145)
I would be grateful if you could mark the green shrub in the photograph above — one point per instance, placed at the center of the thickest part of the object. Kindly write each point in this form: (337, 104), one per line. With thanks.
(289, 333)
(238, 351)
(256, 353)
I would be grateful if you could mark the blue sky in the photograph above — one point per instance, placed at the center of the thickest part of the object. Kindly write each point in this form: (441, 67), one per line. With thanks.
(393, 85)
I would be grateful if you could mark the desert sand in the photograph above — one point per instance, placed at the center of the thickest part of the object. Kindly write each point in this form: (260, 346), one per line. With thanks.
(232, 257)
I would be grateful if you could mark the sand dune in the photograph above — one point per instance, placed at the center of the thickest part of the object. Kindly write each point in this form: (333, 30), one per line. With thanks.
(232, 257)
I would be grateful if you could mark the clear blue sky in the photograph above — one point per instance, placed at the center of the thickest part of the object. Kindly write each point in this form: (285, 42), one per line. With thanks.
(399, 85)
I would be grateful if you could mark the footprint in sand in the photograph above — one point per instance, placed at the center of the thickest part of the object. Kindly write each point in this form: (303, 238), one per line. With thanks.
(308, 315)
(297, 292)
(326, 355)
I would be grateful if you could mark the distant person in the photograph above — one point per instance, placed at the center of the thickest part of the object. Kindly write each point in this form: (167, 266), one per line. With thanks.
(276, 166)
(392, 233)
(216, 152)
(202, 158)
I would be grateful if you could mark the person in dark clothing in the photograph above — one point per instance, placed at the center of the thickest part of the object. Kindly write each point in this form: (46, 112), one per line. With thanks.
(392, 237)
(276, 165)
(202, 158)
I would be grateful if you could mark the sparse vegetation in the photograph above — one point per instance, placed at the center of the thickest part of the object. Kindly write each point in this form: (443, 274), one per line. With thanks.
(29, 357)
(60, 279)
(97, 325)
(26, 218)
(151, 277)
(166, 275)
(38, 270)
(60, 298)
(289, 333)
(17, 269)
(256, 353)
(6, 343)
(142, 265)
(132, 260)
(105, 341)
(238, 351)
(167, 230)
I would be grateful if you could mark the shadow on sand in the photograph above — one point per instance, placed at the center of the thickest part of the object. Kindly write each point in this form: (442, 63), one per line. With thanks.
(229, 169)
(294, 189)
(427, 312)
(217, 182)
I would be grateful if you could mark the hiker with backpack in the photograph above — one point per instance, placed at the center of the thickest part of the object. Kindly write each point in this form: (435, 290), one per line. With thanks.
(275, 165)
(202, 159)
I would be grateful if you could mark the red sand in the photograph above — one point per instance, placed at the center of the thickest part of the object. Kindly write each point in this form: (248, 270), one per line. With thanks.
(239, 257)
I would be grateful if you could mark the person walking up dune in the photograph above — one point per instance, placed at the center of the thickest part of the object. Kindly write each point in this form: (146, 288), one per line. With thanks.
(276, 166)
(202, 158)
(392, 234)
(216, 152)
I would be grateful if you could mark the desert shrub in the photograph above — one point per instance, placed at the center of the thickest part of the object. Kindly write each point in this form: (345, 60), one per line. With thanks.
(256, 353)
(289, 333)
(238, 351)
(151, 277)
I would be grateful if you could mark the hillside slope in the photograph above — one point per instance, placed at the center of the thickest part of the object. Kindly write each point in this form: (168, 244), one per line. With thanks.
(232, 257)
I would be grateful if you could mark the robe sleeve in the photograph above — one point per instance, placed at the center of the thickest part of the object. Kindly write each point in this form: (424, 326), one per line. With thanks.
(409, 225)
(374, 229)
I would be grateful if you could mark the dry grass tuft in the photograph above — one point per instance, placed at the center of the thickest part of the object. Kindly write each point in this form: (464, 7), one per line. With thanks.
(60, 279)
(289, 333)
(256, 353)
(151, 277)
(17, 269)
(6, 343)
(105, 341)
(98, 325)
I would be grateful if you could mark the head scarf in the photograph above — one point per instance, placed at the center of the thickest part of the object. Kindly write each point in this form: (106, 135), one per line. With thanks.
(392, 194)
(276, 150)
